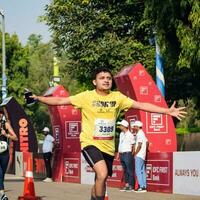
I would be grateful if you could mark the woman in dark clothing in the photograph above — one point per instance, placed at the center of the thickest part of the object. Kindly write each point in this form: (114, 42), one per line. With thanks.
(6, 134)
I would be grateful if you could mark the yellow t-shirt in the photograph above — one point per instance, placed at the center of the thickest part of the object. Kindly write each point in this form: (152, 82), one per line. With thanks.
(99, 114)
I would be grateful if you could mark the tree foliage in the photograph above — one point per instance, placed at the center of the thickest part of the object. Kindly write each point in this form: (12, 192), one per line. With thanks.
(40, 75)
(17, 64)
(177, 28)
(115, 33)
(99, 33)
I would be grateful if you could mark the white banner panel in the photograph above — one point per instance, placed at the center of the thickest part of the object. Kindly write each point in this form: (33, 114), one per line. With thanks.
(18, 163)
(87, 173)
(186, 172)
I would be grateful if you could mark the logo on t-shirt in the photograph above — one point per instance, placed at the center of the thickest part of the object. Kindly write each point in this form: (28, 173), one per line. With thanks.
(103, 103)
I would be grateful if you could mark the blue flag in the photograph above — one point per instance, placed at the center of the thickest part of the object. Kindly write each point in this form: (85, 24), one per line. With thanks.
(160, 80)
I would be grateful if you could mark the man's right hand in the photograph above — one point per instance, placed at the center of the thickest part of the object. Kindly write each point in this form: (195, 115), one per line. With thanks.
(52, 100)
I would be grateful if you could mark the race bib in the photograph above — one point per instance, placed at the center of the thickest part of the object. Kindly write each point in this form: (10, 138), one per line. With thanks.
(3, 146)
(104, 129)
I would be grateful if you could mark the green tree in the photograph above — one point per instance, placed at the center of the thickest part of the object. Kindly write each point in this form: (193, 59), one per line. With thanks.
(177, 28)
(17, 64)
(116, 33)
(34, 40)
(40, 75)
(99, 33)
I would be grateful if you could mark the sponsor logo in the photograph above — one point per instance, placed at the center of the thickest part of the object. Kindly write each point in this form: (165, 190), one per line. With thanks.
(23, 134)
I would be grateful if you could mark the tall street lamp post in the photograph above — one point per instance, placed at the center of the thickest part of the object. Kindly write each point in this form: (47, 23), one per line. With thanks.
(4, 89)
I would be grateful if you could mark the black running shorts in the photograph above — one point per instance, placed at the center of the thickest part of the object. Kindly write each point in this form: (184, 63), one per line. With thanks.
(92, 155)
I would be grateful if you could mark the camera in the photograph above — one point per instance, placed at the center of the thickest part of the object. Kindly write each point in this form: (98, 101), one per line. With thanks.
(29, 100)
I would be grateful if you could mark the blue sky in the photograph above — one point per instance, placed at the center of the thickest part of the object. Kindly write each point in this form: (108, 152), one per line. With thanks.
(21, 18)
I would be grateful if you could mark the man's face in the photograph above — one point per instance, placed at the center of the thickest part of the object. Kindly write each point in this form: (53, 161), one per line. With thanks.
(45, 133)
(135, 129)
(122, 128)
(103, 81)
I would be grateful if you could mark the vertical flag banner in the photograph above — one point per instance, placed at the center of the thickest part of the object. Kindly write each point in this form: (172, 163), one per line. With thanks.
(160, 80)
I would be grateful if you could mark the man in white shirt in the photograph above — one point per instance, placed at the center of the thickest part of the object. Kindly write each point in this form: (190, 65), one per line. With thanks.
(140, 155)
(47, 149)
(125, 148)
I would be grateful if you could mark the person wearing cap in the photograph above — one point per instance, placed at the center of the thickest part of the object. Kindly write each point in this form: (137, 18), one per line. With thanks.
(100, 108)
(6, 133)
(47, 149)
(140, 155)
(125, 148)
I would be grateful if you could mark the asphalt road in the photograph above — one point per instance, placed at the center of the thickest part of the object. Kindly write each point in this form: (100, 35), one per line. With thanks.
(67, 191)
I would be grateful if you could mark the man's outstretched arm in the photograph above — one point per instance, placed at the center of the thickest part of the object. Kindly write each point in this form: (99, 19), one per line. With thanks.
(179, 113)
(52, 100)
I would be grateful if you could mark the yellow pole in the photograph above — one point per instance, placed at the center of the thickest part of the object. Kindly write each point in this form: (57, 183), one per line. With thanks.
(55, 67)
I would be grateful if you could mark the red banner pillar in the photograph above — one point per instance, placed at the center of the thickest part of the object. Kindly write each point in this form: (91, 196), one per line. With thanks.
(135, 82)
(66, 125)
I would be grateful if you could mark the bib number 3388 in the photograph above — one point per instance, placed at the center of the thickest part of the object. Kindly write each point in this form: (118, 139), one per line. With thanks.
(104, 129)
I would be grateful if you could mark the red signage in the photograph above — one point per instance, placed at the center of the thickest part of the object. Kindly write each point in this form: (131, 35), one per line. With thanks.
(72, 129)
(72, 167)
(159, 172)
(66, 122)
(66, 125)
(156, 123)
(56, 131)
(135, 82)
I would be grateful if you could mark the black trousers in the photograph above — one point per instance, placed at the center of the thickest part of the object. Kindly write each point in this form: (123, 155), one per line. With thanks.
(47, 160)
(4, 158)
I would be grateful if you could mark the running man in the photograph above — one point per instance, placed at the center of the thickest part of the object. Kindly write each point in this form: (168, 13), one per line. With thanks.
(100, 108)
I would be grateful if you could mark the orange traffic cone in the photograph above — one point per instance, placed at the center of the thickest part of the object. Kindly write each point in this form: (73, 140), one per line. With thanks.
(29, 190)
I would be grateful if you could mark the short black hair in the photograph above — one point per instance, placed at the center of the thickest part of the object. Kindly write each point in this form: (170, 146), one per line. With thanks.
(99, 70)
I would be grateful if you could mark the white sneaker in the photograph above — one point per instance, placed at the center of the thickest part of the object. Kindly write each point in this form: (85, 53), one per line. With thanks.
(48, 180)
(141, 190)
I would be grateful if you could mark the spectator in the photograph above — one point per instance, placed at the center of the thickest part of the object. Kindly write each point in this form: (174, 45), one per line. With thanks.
(125, 153)
(140, 155)
(47, 149)
(6, 133)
